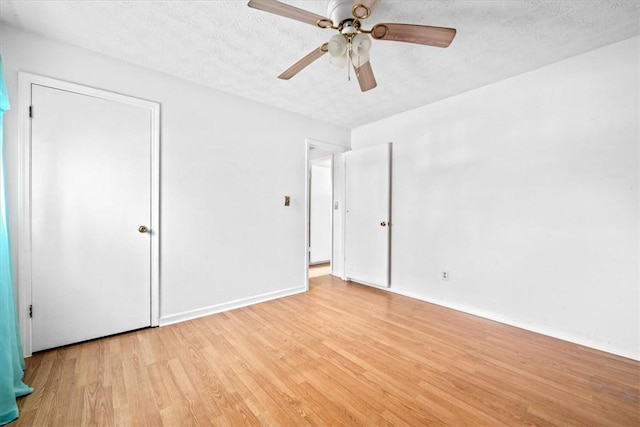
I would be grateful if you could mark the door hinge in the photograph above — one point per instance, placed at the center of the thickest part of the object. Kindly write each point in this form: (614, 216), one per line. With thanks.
(31, 310)
(31, 111)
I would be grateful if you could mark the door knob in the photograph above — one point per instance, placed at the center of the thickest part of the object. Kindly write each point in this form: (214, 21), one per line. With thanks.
(143, 229)
(383, 224)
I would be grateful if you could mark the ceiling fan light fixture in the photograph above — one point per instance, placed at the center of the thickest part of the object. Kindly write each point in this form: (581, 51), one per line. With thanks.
(360, 47)
(361, 44)
(342, 48)
(337, 45)
(339, 61)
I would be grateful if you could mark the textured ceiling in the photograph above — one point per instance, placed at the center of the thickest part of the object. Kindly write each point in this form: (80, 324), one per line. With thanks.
(231, 47)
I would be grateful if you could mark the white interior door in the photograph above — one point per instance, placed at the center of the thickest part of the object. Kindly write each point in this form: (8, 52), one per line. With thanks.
(90, 192)
(368, 215)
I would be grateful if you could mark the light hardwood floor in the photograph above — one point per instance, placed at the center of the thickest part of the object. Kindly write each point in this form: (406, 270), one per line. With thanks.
(341, 354)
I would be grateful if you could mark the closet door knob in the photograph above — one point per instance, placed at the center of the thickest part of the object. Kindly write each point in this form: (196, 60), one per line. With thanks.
(383, 224)
(143, 229)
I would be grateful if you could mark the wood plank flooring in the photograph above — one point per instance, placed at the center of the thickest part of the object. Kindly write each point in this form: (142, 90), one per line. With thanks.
(341, 354)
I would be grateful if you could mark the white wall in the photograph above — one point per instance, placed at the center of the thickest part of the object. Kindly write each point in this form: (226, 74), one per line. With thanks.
(320, 223)
(226, 237)
(526, 191)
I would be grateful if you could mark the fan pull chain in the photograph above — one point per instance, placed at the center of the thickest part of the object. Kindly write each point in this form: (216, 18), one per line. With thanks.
(349, 59)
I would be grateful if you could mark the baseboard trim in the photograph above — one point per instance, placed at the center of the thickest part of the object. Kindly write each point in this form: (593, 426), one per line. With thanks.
(218, 308)
(554, 333)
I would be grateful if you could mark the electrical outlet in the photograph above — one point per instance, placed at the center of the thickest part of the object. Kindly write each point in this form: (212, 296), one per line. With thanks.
(444, 275)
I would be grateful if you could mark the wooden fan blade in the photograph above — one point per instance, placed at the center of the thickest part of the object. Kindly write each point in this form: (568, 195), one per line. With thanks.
(300, 65)
(288, 11)
(420, 34)
(365, 76)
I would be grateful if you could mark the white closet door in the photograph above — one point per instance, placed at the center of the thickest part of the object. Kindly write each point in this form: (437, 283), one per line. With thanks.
(91, 191)
(368, 215)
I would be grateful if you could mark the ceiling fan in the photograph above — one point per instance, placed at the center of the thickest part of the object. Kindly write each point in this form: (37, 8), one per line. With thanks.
(352, 43)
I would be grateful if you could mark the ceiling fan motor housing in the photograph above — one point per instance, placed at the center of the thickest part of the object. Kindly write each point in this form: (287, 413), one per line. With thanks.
(348, 28)
(339, 11)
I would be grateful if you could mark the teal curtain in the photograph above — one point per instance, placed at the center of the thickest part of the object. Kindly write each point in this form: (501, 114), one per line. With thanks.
(11, 359)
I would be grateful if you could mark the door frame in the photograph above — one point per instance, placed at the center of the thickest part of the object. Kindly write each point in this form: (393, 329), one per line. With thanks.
(25, 82)
(331, 149)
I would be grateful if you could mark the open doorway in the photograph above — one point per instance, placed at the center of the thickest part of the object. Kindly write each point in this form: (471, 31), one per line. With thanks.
(320, 215)
(323, 223)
